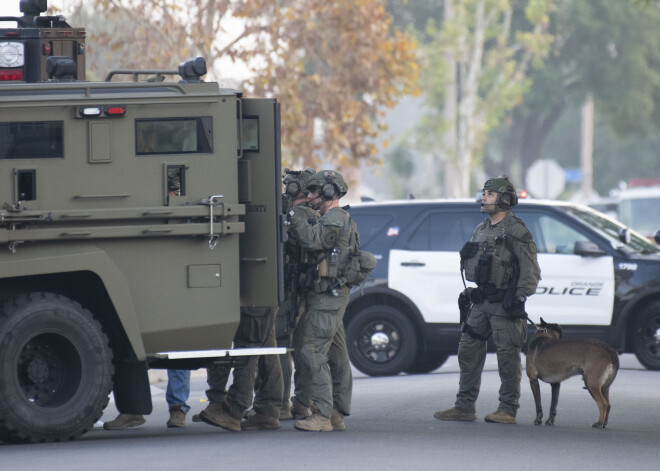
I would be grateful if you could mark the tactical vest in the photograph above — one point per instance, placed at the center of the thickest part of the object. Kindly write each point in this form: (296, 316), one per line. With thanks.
(493, 265)
(332, 263)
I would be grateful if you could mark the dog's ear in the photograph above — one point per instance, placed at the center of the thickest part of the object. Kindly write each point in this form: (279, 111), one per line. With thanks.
(542, 321)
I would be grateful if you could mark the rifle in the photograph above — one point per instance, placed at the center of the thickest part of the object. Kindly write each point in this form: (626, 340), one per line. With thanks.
(294, 301)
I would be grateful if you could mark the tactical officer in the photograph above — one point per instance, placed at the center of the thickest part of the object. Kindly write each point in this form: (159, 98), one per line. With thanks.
(256, 329)
(296, 265)
(501, 260)
(319, 338)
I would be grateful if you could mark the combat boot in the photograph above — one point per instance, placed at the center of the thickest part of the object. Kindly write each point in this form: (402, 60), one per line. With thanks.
(220, 416)
(500, 417)
(124, 421)
(314, 423)
(337, 421)
(177, 417)
(299, 410)
(260, 422)
(285, 414)
(455, 414)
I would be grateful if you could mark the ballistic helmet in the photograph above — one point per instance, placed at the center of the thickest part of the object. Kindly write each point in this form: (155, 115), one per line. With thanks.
(331, 184)
(507, 196)
(295, 181)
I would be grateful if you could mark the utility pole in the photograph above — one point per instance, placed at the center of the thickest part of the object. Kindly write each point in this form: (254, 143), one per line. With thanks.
(587, 148)
(450, 112)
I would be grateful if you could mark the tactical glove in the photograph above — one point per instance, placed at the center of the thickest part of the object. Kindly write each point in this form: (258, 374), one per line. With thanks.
(476, 296)
(517, 308)
(469, 250)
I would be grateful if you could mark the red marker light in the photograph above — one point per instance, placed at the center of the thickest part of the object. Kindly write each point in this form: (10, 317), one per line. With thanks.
(522, 194)
(115, 110)
(7, 75)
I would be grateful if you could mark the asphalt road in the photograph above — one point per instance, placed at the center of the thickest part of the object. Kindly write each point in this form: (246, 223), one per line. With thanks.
(392, 427)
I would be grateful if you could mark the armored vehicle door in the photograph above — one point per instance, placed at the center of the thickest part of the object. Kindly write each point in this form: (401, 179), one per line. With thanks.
(258, 167)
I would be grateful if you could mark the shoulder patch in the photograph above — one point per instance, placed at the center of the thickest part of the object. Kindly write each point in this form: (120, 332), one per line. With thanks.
(330, 222)
(329, 238)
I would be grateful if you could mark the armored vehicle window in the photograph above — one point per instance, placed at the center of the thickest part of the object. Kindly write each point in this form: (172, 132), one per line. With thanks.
(173, 136)
(250, 134)
(26, 185)
(31, 140)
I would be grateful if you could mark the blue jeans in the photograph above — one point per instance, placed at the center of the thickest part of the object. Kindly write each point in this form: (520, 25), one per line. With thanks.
(178, 389)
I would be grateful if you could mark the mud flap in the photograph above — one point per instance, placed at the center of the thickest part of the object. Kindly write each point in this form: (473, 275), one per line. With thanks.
(131, 390)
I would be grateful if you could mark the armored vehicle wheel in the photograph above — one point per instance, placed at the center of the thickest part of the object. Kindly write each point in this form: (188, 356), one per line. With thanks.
(381, 341)
(646, 336)
(55, 366)
(427, 362)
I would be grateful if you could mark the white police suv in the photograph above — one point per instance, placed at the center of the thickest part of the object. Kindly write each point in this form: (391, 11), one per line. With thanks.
(599, 279)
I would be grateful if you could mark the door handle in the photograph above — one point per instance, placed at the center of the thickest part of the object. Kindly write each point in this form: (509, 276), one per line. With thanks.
(413, 264)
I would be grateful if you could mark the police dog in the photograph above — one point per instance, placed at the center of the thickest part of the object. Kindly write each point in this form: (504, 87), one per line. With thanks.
(552, 360)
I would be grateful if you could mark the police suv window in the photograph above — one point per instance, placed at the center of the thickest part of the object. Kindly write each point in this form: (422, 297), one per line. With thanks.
(444, 232)
(370, 225)
(32, 140)
(173, 136)
(552, 235)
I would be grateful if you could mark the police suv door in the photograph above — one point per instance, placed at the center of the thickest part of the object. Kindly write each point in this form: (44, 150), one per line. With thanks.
(574, 289)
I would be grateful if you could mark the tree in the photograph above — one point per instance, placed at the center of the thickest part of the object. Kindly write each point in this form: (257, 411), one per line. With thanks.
(475, 71)
(607, 48)
(335, 66)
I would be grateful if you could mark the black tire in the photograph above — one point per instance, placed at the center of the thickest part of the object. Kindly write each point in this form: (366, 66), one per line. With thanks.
(427, 362)
(646, 336)
(56, 369)
(381, 341)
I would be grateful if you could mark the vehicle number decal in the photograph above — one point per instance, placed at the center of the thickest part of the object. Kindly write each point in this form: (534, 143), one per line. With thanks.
(627, 266)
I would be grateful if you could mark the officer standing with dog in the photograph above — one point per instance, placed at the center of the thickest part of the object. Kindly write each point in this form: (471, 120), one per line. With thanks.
(501, 260)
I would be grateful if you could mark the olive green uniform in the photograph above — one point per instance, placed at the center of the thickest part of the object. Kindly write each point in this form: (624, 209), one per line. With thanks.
(282, 320)
(320, 338)
(256, 329)
(497, 242)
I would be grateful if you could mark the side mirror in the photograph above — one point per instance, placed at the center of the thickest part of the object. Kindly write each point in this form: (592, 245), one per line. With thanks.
(586, 248)
(624, 235)
(656, 237)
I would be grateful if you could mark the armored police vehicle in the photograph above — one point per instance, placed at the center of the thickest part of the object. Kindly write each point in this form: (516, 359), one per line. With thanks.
(599, 279)
(137, 218)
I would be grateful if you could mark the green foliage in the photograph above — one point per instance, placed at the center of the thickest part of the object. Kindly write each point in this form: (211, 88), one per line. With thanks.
(607, 48)
(491, 44)
(415, 14)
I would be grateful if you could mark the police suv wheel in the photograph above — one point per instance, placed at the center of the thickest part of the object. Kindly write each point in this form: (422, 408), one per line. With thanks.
(57, 368)
(381, 341)
(646, 340)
